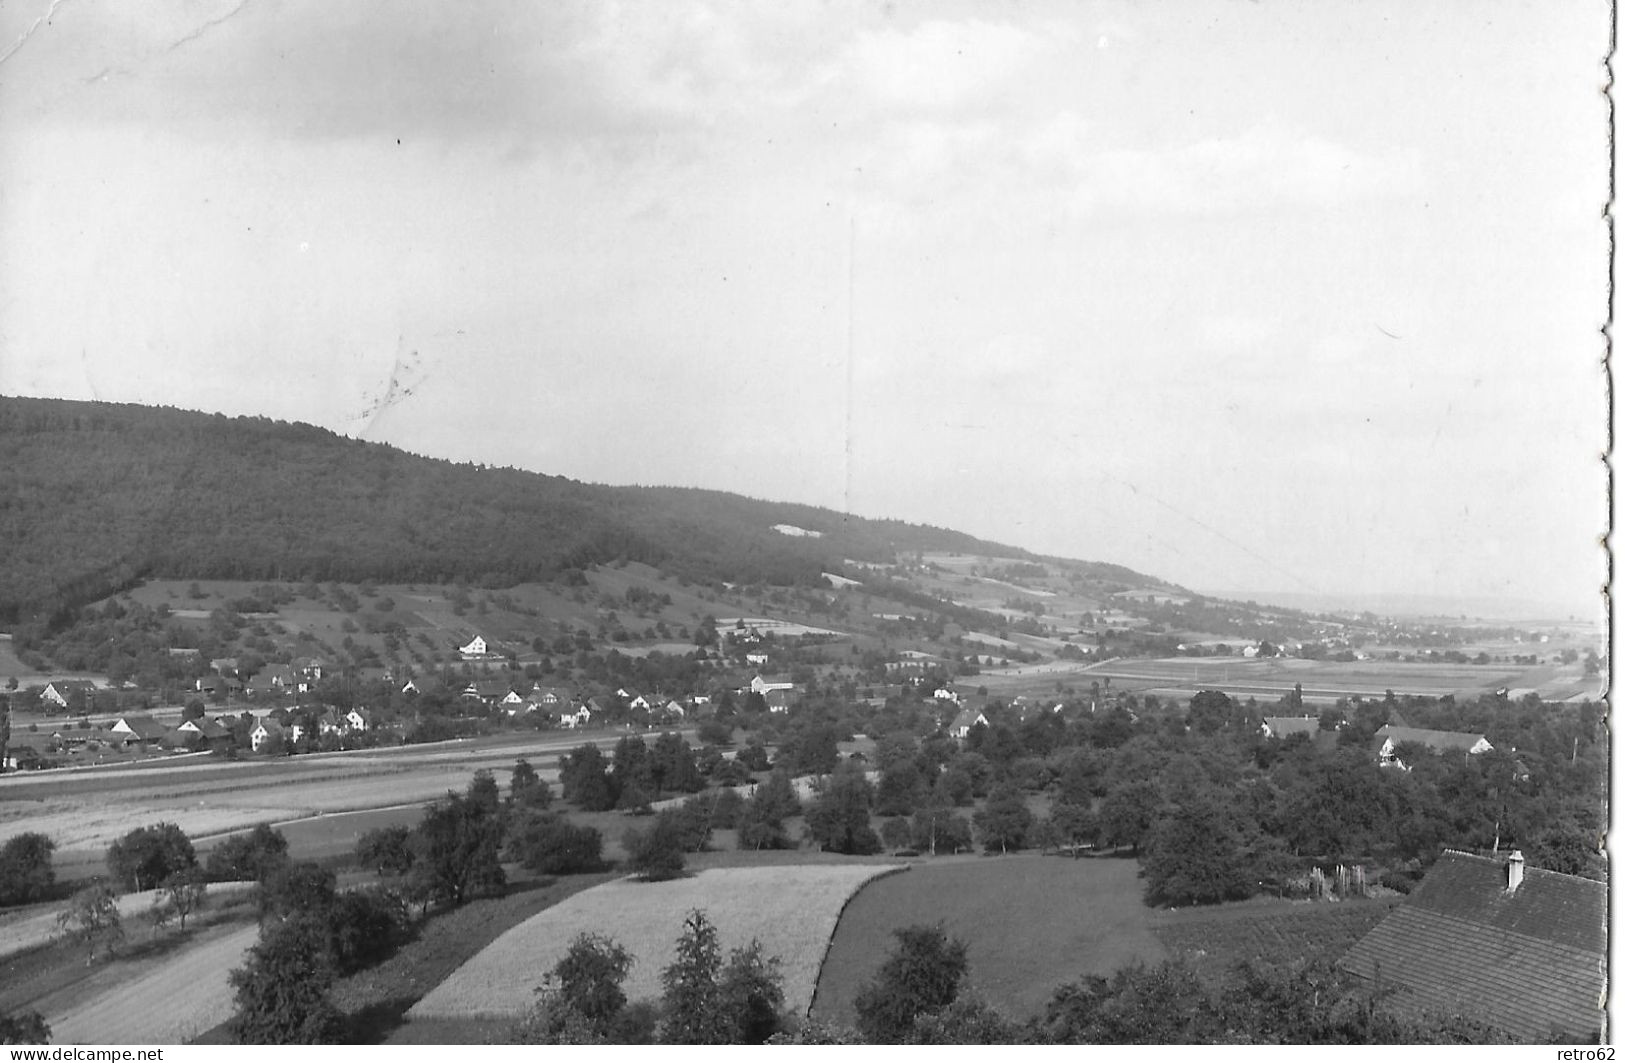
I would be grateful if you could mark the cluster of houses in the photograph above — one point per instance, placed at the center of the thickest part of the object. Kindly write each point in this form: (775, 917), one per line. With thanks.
(1390, 738)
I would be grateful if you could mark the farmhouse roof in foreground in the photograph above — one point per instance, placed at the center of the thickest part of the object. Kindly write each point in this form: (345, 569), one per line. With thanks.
(1523, 950)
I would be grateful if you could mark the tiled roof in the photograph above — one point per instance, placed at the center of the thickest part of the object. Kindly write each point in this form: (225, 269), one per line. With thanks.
(1281, 726)
(1531, 963)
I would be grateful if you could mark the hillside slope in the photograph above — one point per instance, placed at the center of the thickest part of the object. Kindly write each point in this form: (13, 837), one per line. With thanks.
(101, 495)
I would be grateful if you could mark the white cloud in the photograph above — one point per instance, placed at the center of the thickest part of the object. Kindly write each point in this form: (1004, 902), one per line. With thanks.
(935, 65)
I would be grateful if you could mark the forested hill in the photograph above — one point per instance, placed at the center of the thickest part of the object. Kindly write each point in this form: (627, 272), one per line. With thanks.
(97, 495)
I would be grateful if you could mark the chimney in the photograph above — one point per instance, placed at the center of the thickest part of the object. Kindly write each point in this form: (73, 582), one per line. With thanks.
(1514, 870)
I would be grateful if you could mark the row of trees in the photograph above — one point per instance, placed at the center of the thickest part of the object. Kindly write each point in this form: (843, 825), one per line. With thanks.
(708, 999)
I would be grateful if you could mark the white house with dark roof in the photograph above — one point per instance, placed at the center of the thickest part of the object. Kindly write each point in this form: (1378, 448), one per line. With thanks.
(761, 684)
(59, 692)
(1287, 726)
(1390, 738)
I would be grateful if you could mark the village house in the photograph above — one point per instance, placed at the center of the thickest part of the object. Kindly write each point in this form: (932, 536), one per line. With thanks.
(488, 691)
(137, 729)
(1286, 726)
(912, 662)
(1517, 948)
(475, 650)
(264, 731)
(761, 684)
(209, 731)
(1389, 738)
(359, 719)
(61, 692)
(780, 699)
(272, 679)
(966, 719)
(219, 686)
(551, 699)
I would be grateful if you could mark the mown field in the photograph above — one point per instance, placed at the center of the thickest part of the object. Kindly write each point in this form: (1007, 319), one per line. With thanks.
(791, 909)
(1031, 923)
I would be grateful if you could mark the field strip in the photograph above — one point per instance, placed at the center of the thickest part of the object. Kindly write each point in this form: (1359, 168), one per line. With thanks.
(792, 910)
(39, 929)
(166, 1006)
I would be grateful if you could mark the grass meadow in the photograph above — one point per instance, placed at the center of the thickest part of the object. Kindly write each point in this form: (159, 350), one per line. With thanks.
(1031, 923)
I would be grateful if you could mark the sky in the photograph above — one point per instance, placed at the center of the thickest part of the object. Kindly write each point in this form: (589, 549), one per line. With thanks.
(1251, 296)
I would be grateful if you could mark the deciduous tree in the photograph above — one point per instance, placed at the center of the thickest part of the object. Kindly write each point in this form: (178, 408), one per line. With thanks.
(179, 895)
(26, 874)
(92, 920)
(386, 850)
(147, 855)
(920, 977)
(250, 857)
(282, 992)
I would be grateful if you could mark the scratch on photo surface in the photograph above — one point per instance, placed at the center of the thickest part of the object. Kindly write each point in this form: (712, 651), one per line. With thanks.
(44, 19)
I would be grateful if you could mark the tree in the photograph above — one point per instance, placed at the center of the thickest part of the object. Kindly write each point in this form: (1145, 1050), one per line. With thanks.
(551, 844)
(896, 833)
(967, 1020)
(589, 978)
(386, 850)
(752, 995)
(709, 1002)
(294, 889)
(1166, 1004)
(26, 874)
(632, 776)
(179, 895)
(457, 846)
(1210, 711)
(920, 977)
(92, 920)
(1197, 855)
(584, 778)
(24, 1028)
(656, 852)
(900, 788)
(147, 855)
(939, 829)
(1004, 821)
(1128, 813)
(527, 788)
(1074, 825)
(839, 817)
(363, 927)
(250, 857)
(692, 1005)
(282, 991)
